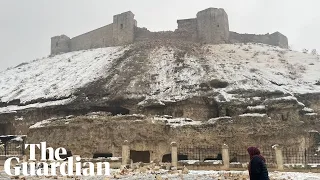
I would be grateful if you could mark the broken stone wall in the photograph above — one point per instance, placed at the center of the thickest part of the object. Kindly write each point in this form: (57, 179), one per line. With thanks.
(275, 39)
(188, 26)
(143, 34)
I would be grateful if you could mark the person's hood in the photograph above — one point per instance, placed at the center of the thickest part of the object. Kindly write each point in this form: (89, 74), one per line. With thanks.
(253, 151)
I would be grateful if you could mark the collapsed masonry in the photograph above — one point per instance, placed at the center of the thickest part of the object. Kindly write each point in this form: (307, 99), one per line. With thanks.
(210, 26)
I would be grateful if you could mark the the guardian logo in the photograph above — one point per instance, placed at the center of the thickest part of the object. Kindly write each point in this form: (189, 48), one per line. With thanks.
(66, 168)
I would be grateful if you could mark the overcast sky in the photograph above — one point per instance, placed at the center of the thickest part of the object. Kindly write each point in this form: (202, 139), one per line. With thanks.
(26, 26)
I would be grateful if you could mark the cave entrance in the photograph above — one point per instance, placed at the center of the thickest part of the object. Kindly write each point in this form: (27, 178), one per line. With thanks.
(182, 157)
(114, 110)
(69, 154)
(140, 156)
(219, 157)
(102, 155)
(166, 158)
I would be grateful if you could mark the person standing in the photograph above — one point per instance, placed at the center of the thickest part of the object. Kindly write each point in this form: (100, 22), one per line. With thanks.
(257, 165)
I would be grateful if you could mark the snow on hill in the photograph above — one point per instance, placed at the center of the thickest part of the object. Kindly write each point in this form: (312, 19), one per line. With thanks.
(166, 74)
(57, 76)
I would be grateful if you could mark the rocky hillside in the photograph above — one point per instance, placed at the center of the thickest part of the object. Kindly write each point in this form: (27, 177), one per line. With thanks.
(147, 76)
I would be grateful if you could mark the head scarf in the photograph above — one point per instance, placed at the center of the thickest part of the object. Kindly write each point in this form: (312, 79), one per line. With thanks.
(254, 152)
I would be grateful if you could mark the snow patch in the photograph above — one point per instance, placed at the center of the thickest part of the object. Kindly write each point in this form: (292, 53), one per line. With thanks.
(253, 115)
(311, 114)
(259, 107)
(306, 109)
(189, 161)
(214, 120)
(11, 109)
(43, 123)
(176, 122)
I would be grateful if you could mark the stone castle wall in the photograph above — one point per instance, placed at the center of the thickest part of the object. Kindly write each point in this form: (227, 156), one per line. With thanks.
(120, 32)
(210, 26)
(143, 34)
(275, 39)
(101, 37)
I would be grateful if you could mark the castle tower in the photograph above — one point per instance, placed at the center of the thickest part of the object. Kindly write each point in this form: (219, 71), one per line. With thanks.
(123, 28)
(60, 44)
(213, 26)
(278, 39)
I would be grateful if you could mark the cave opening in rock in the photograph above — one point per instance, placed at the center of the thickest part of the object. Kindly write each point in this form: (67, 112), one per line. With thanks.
(140, 156)
(166, 158)
(114, 110)
(227, 112)
(182, 157)
(102, 155)
(218, 157)
(69, 154)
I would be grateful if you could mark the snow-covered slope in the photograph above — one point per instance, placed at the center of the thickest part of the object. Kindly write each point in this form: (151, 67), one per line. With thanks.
(165, 73)
(55, 77)
(244, 67)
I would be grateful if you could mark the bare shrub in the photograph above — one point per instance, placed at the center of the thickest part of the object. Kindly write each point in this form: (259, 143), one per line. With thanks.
(314, 52)
(253, 70)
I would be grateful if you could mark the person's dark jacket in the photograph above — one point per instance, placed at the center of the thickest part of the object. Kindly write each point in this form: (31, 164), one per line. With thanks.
(258, 169)
(257, 165)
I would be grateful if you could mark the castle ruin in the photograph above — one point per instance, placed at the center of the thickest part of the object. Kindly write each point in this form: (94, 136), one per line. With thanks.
(210, 26)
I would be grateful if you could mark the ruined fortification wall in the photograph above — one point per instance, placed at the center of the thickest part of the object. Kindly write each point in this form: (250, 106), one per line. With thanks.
(275, 39)
(143, 34)
(210, 26)
(101, 37)
(120, 32)
(187, 25)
